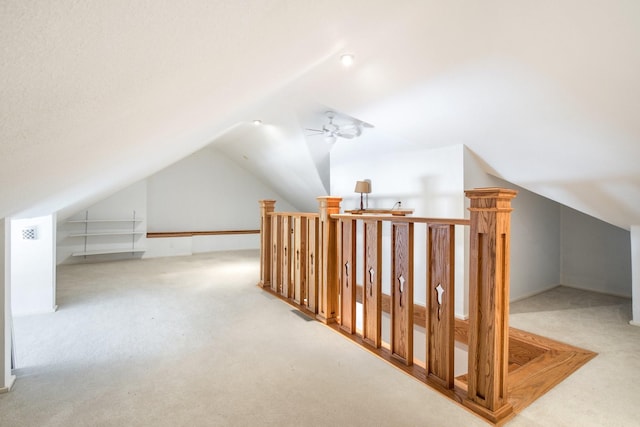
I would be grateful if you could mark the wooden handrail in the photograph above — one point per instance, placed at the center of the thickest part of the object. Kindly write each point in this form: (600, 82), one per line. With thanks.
(160, 234)
(398, 218)
(295, 214)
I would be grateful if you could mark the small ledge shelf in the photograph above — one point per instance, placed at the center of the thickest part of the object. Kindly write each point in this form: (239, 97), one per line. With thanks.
(85, 221)
(109, 251)
(108, 233)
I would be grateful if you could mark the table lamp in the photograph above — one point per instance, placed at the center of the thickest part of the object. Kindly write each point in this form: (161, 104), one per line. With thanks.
(362, 187)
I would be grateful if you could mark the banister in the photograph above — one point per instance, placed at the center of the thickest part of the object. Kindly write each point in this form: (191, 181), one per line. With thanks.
(310, 260)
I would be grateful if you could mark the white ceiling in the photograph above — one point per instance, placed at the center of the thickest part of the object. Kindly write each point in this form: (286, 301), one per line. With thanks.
(96, 95)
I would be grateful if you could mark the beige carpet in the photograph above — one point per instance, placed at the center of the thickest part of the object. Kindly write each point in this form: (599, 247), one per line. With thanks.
(192, 341)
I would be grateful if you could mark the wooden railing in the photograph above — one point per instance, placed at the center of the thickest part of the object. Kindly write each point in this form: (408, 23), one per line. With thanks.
(311, 260)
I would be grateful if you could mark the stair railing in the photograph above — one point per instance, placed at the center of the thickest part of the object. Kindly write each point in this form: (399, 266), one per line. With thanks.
(311, 260)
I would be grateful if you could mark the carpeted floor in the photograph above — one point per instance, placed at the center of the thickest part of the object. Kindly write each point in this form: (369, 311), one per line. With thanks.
(192, 341)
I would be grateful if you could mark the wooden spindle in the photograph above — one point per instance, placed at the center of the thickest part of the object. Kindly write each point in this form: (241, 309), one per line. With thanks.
(299, 258)
(372, 286)
(347, 235)
(311, 288)
(266, 208)
(276, 252)
(402, 291)
(440, 316)
(285, 289)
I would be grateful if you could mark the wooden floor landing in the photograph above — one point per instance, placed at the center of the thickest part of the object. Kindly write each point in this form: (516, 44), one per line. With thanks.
(536, 364)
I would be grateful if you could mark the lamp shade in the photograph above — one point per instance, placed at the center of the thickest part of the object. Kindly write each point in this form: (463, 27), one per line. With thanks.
(363, 187)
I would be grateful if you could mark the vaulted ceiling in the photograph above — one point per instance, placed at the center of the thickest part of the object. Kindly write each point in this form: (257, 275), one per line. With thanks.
(95, 95)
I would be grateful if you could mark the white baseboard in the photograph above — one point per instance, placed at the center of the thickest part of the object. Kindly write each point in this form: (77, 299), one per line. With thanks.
(7, 388)
(533, 294)
(634, 323)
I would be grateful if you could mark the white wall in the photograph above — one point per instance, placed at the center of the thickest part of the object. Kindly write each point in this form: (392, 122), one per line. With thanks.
(33, 279)
(635, 274)
(552, 244)
(6, 378)
(203, 192)
(595, 255)
(206, 191)
(535, 234)
(427, 180)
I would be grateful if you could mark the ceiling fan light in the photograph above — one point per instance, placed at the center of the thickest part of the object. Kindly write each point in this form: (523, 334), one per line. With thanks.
(347, 59)
(330, 139)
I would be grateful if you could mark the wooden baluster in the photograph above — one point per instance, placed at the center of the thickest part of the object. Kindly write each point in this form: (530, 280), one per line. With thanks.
(266, 208)
(440, 318)
(489, 302)
(276, 252)
(402, 291)
(347, 231)
(372, 286)
(300, 259)
(286, 256)
(311, 289)
(328, 255)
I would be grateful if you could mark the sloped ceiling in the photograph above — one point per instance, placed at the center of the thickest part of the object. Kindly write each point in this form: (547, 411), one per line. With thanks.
(96, 95)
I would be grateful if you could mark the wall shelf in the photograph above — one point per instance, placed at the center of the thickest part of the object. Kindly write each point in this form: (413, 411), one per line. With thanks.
(108, 251)
(82, 221)
(108, 233)
(98, 235)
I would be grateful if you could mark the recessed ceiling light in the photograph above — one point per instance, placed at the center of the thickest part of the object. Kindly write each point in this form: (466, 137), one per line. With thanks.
(347, 59)
(257, 122)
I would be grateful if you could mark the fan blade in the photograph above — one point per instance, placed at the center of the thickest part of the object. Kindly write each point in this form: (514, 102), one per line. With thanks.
(314, 132)
(349, 131)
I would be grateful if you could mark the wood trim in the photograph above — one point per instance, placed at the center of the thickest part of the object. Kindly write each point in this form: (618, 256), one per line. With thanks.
(399, 212)
(162, 234)
(295, 214)
(409, 219)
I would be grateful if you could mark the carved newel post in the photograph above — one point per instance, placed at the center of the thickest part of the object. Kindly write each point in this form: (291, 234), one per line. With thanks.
(489, 301)
(327, 261)
(266, 207)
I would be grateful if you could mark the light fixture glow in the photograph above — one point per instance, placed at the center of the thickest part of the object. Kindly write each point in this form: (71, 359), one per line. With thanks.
(330, 139)
(347, 59)
(257, 122)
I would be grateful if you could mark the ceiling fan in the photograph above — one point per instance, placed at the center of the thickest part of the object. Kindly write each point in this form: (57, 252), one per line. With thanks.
(332, 131)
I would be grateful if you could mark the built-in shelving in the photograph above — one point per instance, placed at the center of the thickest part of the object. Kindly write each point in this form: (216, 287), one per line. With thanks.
(108, 251)
(108, 233)
(95, 229)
